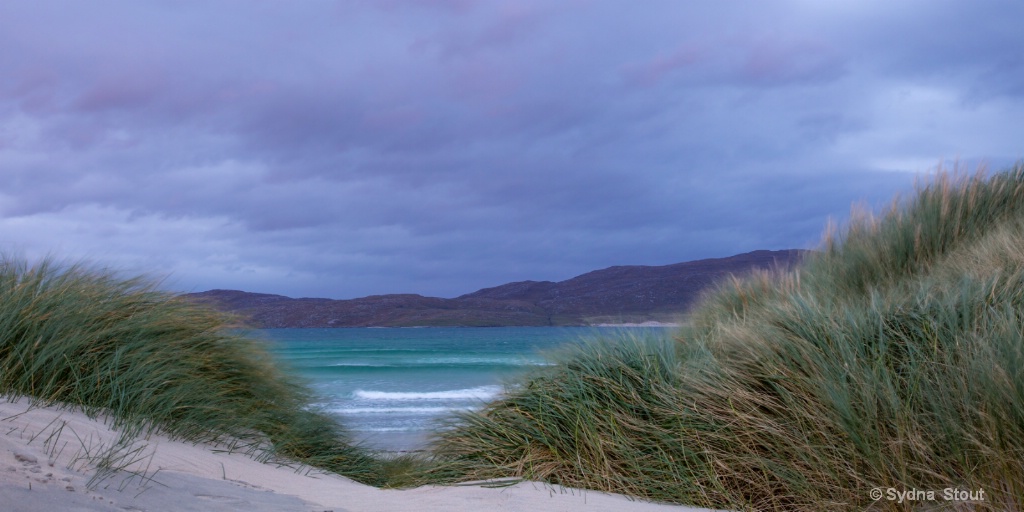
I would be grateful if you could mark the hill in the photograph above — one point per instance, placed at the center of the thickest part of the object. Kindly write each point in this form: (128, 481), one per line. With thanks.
(617, 294)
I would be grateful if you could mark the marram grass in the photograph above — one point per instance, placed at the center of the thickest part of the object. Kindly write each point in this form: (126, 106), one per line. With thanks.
(892, 359)
(150, 360)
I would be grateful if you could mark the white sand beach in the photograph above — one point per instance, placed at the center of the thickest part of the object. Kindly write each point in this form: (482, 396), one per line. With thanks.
(43, 467)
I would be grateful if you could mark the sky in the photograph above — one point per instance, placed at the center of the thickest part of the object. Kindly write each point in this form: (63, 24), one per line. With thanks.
(348, 148)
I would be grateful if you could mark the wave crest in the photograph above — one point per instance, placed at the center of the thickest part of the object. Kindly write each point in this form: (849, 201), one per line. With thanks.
(477, 393)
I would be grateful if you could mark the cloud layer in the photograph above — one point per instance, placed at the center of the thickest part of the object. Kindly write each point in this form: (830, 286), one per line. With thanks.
(347, 148)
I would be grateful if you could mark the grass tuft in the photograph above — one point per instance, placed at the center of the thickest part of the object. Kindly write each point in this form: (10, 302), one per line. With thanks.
(894, 358)
(150, 360)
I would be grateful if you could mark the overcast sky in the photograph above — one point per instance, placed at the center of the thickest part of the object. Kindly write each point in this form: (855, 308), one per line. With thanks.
(348, 148)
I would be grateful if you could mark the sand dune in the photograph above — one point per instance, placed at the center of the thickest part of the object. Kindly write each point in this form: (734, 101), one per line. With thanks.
(48, 456)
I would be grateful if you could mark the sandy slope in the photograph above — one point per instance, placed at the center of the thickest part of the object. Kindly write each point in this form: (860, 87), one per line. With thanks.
(42, 469)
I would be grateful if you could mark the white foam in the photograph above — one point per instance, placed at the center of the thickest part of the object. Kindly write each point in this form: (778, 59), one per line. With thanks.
(504, 361)
(398, 410)
(478, 393)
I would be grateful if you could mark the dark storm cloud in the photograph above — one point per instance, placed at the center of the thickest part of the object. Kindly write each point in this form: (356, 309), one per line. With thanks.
(343, 148)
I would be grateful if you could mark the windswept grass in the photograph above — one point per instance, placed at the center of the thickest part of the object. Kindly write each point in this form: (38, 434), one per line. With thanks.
(150, 360)
(894, 358)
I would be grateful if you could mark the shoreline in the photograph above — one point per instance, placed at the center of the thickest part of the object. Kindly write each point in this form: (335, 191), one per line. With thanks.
(650, 323)
(49, 454)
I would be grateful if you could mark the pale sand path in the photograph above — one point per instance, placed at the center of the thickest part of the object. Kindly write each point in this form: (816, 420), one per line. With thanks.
(38, 444)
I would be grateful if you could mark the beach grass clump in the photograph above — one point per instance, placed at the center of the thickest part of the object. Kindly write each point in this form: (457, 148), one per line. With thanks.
(892, 359)
(603, 416)
(149, 360)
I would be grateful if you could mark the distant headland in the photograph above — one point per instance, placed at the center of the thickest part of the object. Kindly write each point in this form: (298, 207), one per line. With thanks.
(616, 295)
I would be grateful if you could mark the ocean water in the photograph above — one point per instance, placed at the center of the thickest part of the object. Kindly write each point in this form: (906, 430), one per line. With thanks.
(389, 386)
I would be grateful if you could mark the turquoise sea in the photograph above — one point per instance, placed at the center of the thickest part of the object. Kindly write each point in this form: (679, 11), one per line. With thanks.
(390, 385)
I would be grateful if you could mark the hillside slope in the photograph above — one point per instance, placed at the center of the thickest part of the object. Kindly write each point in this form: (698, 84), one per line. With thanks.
(612, 295)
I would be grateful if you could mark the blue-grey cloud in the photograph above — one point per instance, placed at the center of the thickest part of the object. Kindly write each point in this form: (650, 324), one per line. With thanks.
(345, 148)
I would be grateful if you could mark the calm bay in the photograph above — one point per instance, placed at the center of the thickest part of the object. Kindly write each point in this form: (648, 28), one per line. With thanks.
(389, 386)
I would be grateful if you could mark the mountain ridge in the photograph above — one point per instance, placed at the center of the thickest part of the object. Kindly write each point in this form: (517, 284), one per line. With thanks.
(617, 294)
